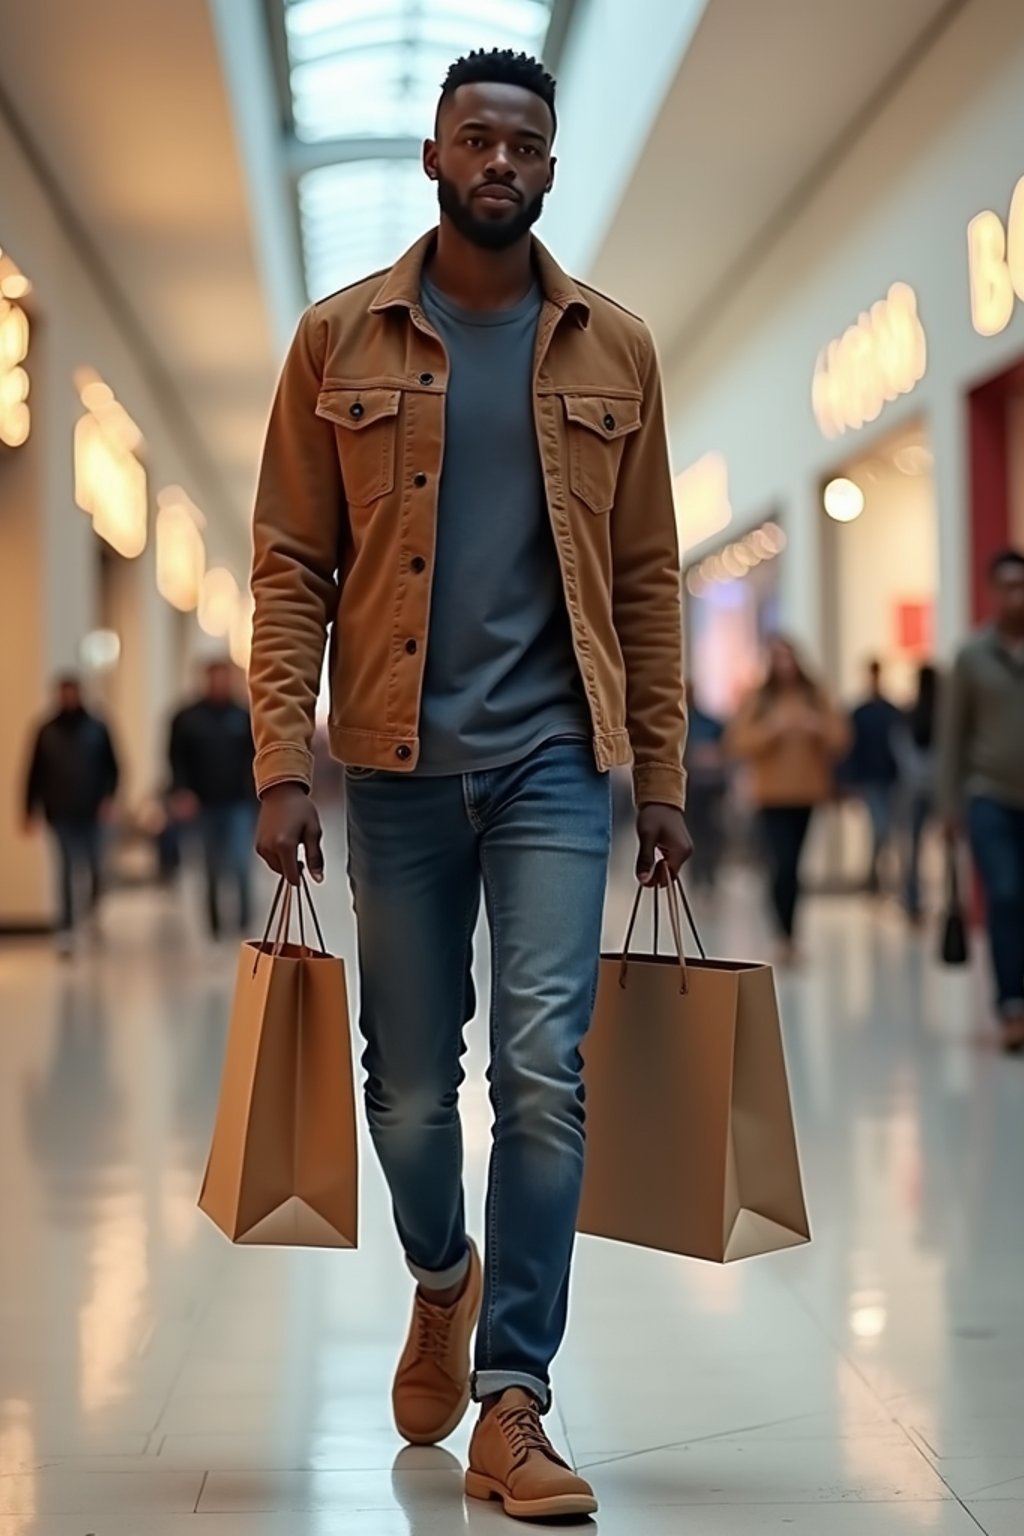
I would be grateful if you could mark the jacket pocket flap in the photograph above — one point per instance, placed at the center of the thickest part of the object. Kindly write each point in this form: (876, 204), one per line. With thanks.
(357, 408)
(609, 418)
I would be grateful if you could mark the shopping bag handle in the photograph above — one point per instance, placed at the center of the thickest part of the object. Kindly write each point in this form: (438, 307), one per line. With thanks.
(290, 894)
(674, 894)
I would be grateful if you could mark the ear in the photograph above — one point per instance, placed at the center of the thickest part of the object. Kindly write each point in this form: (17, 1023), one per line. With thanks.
(430, 165)
(551, 174)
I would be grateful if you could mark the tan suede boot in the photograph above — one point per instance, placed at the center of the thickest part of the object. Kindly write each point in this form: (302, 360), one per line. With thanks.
(431, 1390)
(512, 1459)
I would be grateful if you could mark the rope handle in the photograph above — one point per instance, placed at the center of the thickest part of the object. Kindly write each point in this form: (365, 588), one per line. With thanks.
(675, 895)
(293, 897)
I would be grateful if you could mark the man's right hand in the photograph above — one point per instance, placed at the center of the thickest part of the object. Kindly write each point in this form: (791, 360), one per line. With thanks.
(289, 821)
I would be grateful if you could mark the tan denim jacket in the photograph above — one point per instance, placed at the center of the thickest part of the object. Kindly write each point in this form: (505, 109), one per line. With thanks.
(346, 513)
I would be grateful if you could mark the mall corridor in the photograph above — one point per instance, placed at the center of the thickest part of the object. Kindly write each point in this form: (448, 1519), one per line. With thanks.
(443, 418)
(156, 1382)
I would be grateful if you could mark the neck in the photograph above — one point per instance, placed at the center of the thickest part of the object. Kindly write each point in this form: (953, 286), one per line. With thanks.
(478, 278)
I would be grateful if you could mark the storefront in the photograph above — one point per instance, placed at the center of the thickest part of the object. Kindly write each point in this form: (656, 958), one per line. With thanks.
(878, 343)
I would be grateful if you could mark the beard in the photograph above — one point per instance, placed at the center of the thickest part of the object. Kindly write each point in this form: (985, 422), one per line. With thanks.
(488, 234)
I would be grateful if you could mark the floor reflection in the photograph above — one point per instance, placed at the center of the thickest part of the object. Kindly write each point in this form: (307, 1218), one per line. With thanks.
(148, 1370)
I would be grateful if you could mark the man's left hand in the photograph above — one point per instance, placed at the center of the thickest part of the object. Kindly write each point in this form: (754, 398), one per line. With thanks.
(661, 829)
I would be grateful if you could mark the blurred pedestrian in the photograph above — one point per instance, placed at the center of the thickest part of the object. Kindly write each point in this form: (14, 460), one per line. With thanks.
(72, 780)
(211, 754)
(792, 737)
(981, 777)
(707, 780)
(872, 771)
(915, 747)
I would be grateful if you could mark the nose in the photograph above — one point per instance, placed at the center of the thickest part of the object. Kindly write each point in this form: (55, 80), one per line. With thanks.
(499, 166)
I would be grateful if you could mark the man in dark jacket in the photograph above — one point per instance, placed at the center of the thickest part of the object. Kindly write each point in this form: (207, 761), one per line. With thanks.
(211, 756)
(872, 770)
(72, 780)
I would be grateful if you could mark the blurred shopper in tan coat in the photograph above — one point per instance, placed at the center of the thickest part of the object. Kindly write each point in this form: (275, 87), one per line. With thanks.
(791, 736)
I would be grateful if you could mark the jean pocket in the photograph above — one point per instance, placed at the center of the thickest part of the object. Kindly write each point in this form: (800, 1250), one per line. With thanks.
(360, 775)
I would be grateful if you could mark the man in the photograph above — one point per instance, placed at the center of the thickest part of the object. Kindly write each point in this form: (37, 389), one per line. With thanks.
(72, 781)
(872, 768)
(211, 756)
(466, 476)
(707, 783)
(981, 772)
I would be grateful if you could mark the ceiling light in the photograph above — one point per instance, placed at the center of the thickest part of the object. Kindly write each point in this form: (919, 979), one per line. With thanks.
(844, 500)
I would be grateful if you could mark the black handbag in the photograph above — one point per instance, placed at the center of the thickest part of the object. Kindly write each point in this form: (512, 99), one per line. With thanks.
(955, 948)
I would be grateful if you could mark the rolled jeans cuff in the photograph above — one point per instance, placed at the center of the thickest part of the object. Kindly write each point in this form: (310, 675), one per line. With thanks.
(439, 1279)
(491, 1383)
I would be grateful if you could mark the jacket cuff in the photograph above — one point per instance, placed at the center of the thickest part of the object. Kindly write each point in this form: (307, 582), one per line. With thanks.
(659, 784)
(282, 764)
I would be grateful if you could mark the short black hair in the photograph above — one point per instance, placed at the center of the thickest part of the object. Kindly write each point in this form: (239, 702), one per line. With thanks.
(1005, 557)
(501, 66)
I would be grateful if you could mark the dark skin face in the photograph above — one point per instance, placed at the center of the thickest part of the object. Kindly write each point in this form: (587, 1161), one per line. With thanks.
(1008, 599)
(493, 164)
(69, 696)
(218, 685)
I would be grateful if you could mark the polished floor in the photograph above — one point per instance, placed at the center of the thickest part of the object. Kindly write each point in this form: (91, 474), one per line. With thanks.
(156, 1382)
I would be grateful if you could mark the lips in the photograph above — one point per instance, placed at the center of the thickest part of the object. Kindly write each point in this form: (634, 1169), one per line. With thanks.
(497, 194)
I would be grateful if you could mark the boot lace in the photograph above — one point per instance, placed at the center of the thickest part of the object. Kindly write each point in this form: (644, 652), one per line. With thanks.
(433, 1329)
(522, 1429)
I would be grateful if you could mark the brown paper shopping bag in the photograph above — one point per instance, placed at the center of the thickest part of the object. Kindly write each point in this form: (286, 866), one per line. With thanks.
(283, 1166)
(690, 1140)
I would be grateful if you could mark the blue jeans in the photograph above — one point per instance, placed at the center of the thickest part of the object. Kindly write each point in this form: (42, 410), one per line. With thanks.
(227, 833)
(79, 852)
(918, 811)
(880, 802)
(535, 837)
(997, 841)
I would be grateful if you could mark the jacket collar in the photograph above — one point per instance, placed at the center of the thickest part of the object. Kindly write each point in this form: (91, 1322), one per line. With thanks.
(401, 287)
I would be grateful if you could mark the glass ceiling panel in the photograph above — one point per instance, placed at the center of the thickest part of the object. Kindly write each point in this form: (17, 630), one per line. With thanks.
(366, 69)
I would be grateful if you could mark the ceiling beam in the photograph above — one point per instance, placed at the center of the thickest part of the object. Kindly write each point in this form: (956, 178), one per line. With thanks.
(301, 157)
(558, 32)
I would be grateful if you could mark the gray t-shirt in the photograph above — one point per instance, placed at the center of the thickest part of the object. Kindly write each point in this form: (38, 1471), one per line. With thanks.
(501, 675)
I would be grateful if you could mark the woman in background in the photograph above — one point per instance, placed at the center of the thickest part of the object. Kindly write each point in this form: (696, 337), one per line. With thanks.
(915, 753)
(791, 736)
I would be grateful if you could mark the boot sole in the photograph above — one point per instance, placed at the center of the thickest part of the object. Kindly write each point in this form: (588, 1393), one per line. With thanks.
(452, 1423)
(556, 1507)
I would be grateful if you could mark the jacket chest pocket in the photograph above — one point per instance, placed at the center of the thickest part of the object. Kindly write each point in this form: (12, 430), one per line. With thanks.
(367, 423)
(598, 429)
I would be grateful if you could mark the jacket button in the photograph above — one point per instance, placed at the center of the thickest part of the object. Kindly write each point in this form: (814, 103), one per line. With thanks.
(403, 753)
(417, 564)
(609, 422)
(357, 410)
(426, 378)
(419, 479)
(411, 647)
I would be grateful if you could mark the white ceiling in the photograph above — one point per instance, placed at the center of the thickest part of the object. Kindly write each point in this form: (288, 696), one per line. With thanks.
(125, 104)
(765, 98)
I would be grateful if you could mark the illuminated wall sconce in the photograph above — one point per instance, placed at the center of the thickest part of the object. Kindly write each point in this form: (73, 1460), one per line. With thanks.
(110, 483)
(15, 336)
(737, 559)
(702, 503)
(995, 254)
(843, 499)
(180, 550)
(100, 650)
(219, 600)
(875, 361)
